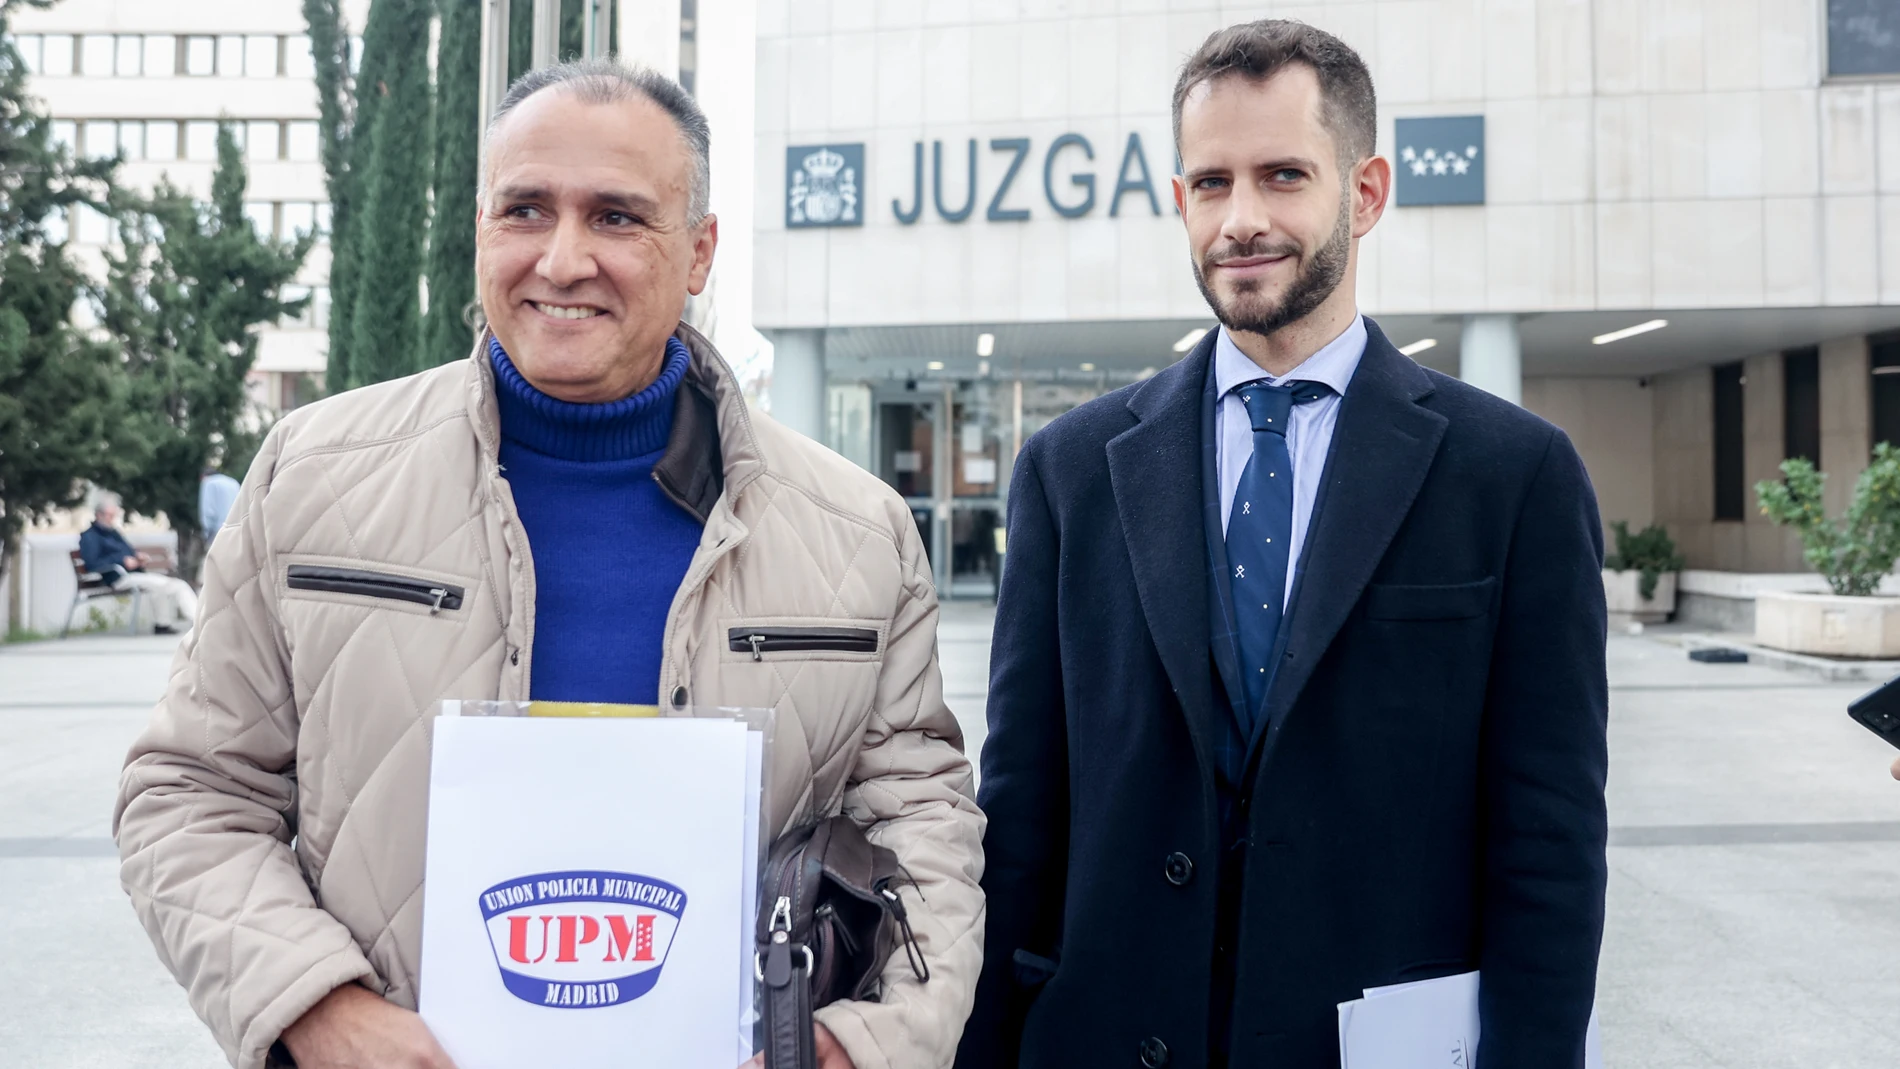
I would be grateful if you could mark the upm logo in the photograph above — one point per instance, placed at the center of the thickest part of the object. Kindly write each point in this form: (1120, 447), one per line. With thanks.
(581, 940)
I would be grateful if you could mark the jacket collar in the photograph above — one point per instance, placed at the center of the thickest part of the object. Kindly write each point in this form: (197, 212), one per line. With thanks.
(712, 445)
(1154, 468)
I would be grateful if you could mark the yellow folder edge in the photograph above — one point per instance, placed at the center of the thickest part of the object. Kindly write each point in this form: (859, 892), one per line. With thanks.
(591, 709)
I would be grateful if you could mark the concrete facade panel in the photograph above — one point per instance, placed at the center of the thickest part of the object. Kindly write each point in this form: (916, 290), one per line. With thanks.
(1735, 264)
(1790, 161)
(1623, 255)
(1848, 158)
(1732, 44)
(1563, 48)
(1847, 418)
(1790, 43)
(1734, 144)
(1791, 247)
(1611, 424)
(1684, 466)
(1622, 148)
(1852, 259)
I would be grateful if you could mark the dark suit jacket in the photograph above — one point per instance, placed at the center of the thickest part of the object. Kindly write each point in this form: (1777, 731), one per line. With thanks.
(1427, 795)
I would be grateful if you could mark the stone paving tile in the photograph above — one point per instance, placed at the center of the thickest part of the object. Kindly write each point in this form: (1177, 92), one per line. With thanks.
(1751, 920)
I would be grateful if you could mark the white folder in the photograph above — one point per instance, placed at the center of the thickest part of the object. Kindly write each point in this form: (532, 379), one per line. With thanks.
(1426, 1024)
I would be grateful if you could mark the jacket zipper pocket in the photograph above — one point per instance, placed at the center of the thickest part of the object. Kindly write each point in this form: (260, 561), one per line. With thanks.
(763, 640)
(437, 596)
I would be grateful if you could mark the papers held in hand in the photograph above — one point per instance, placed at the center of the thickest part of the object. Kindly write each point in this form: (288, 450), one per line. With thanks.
(1427, 1024)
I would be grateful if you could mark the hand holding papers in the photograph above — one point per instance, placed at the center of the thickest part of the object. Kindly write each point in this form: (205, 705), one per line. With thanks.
(588, 890)
(1427, 1024)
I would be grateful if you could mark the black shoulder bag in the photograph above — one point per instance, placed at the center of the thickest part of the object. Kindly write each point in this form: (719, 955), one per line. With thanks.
(829, 920)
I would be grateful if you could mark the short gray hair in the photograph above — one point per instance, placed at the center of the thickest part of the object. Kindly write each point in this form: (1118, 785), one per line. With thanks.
(604, 81)
(106, 499)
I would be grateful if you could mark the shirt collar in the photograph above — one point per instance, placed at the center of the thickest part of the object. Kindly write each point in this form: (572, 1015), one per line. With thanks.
(1333, 365)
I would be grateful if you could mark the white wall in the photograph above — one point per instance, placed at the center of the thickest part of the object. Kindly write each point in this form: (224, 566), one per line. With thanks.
(1641, 154)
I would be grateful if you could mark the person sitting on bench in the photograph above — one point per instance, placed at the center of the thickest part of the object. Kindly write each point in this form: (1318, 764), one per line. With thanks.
(105, 551)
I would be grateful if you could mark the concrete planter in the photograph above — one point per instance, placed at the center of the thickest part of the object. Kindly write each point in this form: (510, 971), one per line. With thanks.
(1622, 591)
(1829, 625)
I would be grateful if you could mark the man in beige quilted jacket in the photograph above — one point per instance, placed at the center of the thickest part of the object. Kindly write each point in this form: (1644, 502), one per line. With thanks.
(585, 509)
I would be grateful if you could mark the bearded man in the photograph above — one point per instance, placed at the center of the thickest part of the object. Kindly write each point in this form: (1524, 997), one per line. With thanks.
(585, 509)
(1298, 680)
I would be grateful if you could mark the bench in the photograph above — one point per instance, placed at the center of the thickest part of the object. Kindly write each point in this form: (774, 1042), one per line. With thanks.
(91, 586)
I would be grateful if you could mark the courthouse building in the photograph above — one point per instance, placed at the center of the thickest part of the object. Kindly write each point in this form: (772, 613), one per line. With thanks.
(964, 226)
(1673, 228)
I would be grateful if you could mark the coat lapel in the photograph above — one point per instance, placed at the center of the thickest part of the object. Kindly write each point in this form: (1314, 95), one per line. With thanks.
(1383, 447)
(1155, 470)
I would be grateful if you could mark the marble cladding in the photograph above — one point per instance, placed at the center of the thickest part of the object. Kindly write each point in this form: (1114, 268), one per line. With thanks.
(1641, 154)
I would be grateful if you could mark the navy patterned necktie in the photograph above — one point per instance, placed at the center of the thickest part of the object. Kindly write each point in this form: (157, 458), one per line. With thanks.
(1260, 532)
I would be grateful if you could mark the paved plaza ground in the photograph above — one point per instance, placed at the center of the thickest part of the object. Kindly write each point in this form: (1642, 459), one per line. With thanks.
(1754, 903)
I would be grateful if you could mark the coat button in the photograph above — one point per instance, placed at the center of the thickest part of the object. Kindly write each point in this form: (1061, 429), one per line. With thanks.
(679, 697)
(1179, 869)
(1154, 1053)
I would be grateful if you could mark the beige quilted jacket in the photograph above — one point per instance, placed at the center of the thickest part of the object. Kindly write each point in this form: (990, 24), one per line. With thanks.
(271, 818)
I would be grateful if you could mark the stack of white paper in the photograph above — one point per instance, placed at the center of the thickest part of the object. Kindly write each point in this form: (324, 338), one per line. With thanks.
(589, 883)
(1427, 1024)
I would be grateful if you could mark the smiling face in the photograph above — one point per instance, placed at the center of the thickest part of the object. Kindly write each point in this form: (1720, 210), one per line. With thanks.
(1272, 214)
(584, 248)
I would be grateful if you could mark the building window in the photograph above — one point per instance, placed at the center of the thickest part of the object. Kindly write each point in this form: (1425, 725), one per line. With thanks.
(28, 46)
(1730, 477)
(201, 56)
(298, 62)
(261, 142)
(300, 142)
(1801, 404)
(260, 57)
(130, 61)
(1884, 351)
(231, 57)
(56, 55)
(161, 55)
(1863, 38)
(300, 217)
(201, 141)
(95, 55)
(161, 139)
(263, 217)
(65, 134)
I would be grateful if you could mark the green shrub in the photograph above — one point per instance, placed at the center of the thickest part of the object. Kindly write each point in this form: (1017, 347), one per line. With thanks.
(1855, 551)
(1650, 551)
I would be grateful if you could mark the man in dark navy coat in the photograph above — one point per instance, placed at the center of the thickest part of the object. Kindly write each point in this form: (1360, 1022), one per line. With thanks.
(1298, 679)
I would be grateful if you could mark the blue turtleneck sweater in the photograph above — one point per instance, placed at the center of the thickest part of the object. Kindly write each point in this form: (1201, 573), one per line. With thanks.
(610, 548)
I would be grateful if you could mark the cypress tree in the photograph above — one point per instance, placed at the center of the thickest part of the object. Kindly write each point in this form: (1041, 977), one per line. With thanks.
(61, 394)
(390, 162)
(446, 336)
(183, 300)
(330, 47)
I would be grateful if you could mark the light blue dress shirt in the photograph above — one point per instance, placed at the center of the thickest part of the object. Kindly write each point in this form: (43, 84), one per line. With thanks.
(217, 492)
(1309, 435)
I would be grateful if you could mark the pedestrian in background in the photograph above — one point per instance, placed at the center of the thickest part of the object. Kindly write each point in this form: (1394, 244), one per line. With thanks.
(105, 551)
(1298, 682)
(217, 492)
(584, 510)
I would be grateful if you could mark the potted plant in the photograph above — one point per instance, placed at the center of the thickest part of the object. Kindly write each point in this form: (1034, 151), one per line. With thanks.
(1639, 579)
(1854, 552)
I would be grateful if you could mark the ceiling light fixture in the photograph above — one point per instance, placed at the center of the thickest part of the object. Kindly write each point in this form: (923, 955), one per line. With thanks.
(1419, 346)
(985, 344)
(1187, 340)
(934, 365)
(1629, 332)
(1088, 367)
